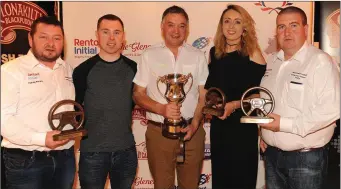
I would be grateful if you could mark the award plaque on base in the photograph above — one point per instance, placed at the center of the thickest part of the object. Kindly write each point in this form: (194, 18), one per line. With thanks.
(65, 118)
(250, 105)
(175, 93)
(215, 101)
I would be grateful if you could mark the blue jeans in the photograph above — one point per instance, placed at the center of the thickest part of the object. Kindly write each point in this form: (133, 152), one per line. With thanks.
(95, 166)
(39, 170)
(295, 170)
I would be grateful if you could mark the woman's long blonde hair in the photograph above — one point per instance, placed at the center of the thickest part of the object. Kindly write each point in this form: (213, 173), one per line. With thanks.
(249, 41)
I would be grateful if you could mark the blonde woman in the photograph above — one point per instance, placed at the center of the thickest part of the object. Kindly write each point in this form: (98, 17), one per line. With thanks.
(236, 64)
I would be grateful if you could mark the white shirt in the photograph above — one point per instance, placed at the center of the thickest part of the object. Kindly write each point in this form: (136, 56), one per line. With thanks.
(306, 89)
(28, 91)
(158, 60)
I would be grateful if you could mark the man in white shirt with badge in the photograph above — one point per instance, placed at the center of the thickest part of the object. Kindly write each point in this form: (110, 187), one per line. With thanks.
(30, 86)
(169, 57)
(306, 87)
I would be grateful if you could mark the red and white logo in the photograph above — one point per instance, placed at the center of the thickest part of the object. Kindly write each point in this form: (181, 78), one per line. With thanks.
(140, 114)
(140, 181)
(17, 15)
(273, 6)
(134, 49)
(141, 151)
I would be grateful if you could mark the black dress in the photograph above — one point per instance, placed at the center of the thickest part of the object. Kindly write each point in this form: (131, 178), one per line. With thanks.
(234, 145)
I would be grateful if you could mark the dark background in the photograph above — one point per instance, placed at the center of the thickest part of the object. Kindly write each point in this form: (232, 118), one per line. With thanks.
(322, 10)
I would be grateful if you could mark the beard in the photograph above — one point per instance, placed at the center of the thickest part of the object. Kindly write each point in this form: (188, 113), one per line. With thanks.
(46, 55)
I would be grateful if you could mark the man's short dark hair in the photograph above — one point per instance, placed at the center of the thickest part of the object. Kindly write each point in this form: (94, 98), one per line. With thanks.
(49, 20)
(175, 10)
(293, 9)
(109, 17)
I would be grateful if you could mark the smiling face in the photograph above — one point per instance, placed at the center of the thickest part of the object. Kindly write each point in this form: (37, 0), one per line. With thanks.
(47, 42)
(291, 33)
(232, 26)
(174, 29)
(110, 36)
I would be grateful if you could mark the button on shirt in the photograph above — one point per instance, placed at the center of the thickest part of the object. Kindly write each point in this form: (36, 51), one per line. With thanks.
(28, 91)
(306, 89)
(158, 61)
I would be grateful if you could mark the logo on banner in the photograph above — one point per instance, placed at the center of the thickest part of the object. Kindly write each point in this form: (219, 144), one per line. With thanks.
(278, 6)
(201, 42)
(140, 181)
(134, 49)
(140, 114)
(141, 151)
(207, 151)
(85, 48)
(204, 179)
(333, 28)
(272, 46)
(17, 15)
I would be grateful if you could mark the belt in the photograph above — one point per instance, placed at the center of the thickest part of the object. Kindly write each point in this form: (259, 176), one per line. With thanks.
(299, 150)
(28, 154)
(159, 124)
(154, 123)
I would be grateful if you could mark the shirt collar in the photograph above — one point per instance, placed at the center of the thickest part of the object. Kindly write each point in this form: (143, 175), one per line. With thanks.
(163, 45)
(299, 55)
(33, 61)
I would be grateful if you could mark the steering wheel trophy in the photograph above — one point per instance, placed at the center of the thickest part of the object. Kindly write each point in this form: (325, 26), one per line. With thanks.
(215, 101)
(171, 128)
(65, 118)
(256, 104)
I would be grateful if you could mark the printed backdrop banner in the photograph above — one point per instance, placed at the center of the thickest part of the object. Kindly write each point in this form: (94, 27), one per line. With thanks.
(142, 25)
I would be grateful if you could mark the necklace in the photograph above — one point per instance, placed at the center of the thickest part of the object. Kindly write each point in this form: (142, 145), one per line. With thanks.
(232, 44)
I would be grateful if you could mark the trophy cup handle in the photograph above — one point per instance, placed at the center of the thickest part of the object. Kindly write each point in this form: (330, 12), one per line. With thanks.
(157, 84)
(189, 76)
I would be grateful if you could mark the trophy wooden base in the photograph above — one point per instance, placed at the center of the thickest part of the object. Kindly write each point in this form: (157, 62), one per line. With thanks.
(70, 134)
(172, 128)
(213, 111)
(171, 132)
(255, 119)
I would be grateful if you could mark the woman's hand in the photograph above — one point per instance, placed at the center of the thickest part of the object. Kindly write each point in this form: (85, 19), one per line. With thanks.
(230, 107)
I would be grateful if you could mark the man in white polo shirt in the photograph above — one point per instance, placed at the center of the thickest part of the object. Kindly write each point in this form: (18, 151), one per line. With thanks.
(30, 86)
(172, 56)
(306, 87)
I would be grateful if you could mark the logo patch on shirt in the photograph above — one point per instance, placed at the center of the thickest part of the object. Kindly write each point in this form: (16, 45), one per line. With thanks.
(298, 76)
(34, 78)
